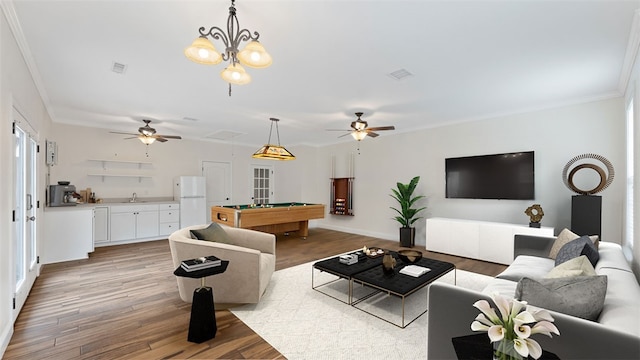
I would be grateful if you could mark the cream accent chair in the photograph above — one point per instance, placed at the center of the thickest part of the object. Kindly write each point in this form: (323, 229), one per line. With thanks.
(252, 261)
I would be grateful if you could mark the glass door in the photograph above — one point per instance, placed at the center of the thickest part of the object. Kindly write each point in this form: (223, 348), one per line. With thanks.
(24, 212)
(262, 181)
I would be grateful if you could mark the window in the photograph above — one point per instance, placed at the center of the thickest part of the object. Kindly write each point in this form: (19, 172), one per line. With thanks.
(628, 236)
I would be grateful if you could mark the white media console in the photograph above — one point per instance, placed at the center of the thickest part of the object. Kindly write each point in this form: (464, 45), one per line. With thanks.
(480, 240)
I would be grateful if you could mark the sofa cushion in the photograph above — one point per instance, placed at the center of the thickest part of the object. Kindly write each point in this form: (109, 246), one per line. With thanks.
(621, 310)
(580, 246)
(533, 267)
(563, 238)
(506, 288)
(574, 267)
(214, 232)
(580, 296)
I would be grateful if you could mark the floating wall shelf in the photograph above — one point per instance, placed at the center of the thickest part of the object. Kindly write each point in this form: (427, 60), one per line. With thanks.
(104, 167)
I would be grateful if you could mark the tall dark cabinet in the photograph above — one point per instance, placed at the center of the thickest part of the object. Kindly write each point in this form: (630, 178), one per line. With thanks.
(341, 196)
(586, 215)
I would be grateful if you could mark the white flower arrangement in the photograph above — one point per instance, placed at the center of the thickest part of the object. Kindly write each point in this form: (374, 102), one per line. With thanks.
(515, 325)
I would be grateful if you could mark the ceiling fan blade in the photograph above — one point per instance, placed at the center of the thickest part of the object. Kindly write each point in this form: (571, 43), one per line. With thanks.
(122, 133)
(169, 136)
(380, 128)
(372, 134)
(344, 134)
(133, 137)
(337, 130)
(160, 139)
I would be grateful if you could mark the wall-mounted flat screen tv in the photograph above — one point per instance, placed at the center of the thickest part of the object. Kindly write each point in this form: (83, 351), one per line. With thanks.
(498, 176)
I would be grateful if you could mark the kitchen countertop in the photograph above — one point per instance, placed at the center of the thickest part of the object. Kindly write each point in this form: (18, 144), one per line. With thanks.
(116, 202)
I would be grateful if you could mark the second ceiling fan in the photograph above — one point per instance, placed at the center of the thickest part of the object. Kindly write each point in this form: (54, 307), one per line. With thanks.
(361, 129)
(148, 135)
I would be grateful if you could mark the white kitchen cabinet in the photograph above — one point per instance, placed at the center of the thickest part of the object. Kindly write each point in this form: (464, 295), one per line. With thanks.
(122, 225)
(169, 216)
(147, 223)
(100, 224)
(133, 222)
(68, 234)
(482, 240)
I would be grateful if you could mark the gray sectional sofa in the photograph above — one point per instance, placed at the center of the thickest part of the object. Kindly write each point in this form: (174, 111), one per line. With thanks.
(615, 333)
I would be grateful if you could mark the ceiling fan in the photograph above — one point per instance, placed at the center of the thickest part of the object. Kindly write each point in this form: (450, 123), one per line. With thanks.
(361, 129)
(148, 135)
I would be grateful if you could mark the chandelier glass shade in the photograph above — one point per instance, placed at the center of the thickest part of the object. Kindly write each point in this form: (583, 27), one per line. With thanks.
(202, 50)
(235, 74)
(254, 55)
(271, 151)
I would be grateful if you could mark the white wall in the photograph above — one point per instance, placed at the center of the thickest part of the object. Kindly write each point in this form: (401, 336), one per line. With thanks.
(17, 90)
(556, 136)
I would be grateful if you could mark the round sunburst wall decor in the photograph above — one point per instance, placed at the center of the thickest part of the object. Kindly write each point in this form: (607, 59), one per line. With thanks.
(605, 178)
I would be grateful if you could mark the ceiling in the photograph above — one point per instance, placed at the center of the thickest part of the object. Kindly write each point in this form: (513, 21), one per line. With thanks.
(468, 60)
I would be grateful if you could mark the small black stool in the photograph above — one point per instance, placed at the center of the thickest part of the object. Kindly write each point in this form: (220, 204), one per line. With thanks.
(202, 325)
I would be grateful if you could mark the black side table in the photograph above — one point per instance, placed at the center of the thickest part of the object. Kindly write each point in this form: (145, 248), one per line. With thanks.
(202, 325)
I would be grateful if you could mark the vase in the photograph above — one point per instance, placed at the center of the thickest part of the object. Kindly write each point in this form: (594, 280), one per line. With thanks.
(504, 350)
(388, 263)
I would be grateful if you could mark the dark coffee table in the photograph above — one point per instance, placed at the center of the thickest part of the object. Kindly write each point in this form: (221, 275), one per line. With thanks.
(340, 272)
(398, 285)
(375, 281)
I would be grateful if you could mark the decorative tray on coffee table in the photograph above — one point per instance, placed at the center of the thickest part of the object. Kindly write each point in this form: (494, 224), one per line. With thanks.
(374, 252)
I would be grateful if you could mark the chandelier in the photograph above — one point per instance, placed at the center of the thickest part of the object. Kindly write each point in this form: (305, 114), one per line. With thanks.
(253, 55)
(274, 152)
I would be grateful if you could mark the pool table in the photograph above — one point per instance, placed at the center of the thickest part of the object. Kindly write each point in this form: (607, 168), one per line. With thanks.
(273, 218)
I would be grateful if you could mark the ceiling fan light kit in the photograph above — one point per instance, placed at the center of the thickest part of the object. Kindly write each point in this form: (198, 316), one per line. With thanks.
(202, 50)
(361, 129)
(271, 151)
(147, 135)
(147, 140)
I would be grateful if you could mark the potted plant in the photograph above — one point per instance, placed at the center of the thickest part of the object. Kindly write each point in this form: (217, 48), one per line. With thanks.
(407, 215)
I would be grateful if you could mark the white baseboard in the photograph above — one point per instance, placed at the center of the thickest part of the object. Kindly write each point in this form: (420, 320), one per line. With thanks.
(361, 232)
(5, 337)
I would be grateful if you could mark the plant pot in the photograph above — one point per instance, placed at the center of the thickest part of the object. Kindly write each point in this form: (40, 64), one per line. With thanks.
(407, 236)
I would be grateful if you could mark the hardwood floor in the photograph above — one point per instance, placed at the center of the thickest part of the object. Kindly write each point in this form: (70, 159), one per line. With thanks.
(123, 303)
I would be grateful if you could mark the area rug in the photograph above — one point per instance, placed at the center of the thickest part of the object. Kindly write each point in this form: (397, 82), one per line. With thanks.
(302, 323)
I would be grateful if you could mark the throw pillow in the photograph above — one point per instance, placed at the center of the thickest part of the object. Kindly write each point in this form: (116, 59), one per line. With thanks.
(214, 232)
(563, 238)
(574, 267)
(577, 247)
(580, 296)
(596, 240)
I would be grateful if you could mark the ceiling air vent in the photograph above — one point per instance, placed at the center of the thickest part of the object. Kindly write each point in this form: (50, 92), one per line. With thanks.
(224, 135)
(400, 74)
(119, 68)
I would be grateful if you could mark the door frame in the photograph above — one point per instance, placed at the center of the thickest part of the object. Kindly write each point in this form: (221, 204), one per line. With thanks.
(30, 166)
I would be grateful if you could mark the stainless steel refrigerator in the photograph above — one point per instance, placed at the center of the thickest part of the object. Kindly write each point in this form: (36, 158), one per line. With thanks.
(190, 191)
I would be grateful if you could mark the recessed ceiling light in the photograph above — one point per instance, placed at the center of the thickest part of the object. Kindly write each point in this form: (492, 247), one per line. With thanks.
(189, 119)
(118, 68)
(400, 74)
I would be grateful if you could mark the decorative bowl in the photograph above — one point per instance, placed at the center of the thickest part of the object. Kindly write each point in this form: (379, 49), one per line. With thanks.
(409, 256)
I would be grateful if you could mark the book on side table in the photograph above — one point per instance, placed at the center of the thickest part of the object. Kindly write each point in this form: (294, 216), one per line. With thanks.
(200, 263)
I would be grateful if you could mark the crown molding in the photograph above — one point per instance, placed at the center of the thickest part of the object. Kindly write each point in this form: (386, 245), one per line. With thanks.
(631, 54)
(14, 24)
